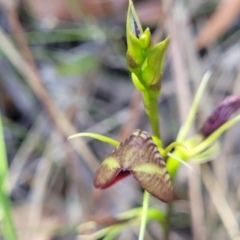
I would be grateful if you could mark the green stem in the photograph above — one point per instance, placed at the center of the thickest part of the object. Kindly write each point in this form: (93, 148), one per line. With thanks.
(151, 108)
(8, 228)
(170, 147)
(146, 197)
(167, 222)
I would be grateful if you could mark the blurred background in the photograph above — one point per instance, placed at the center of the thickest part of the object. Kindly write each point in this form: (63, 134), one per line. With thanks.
(63, 71)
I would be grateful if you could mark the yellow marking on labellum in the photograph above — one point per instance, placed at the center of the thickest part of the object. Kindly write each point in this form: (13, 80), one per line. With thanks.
(167, 177)
(149, 168)
(136, 132)
(111, 162)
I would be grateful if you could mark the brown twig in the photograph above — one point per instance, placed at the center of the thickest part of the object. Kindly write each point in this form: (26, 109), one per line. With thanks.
(178, 21)
(221, 20)
(134, 114)
(220, 203)
(19, 35)
(58, 117)
(31, 141)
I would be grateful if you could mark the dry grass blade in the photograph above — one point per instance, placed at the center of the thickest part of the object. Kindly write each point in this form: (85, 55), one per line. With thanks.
(184, 98)
(31, 141)
(35, 83)
(134, 114)
(220, 203)
(19, 35)
(38, 190)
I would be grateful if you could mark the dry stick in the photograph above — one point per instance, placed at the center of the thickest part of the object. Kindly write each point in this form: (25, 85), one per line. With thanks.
(43, 172)
(134, 115)
(184, 97)
(26, 53)
(58, 117)
(219, 22)
(182, 88)
(39, 184)
(18, 33)
(220, 203)
(38, 188)
(30, 142)
(195, 193)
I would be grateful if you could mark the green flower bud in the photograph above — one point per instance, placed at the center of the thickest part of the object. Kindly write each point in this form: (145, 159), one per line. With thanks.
(146, 39)
(153, 65)
(136, 39)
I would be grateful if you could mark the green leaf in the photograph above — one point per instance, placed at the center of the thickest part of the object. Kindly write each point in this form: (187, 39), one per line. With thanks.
(8, 227)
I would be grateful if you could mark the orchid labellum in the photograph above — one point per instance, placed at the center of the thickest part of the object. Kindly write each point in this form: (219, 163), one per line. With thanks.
(137, 155)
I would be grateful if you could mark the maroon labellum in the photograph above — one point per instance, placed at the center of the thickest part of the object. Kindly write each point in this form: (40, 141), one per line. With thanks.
(137, 155)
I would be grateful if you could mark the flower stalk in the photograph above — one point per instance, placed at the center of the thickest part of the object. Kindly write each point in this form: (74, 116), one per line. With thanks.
(145, 62)
(145, 206)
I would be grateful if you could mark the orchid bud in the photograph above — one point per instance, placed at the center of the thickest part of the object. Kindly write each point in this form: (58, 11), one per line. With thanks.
(137, 155)
(221, 115)
(143, 59)
(145, 39)
(153, 66)
(134, 31)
